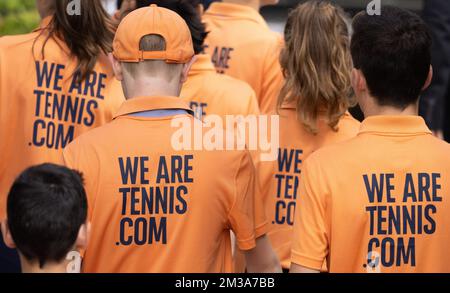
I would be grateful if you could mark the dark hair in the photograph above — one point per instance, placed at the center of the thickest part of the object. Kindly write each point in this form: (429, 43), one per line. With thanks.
(187, 9)
(393, 51)
(86, 35)
(139, 3)
(46, 207)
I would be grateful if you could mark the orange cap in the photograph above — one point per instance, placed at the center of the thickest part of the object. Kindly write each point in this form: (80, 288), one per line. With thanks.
(150, 21)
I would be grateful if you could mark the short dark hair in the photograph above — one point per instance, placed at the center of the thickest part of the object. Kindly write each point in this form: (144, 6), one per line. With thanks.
(187, 9)
(393, 51)
(46, 207)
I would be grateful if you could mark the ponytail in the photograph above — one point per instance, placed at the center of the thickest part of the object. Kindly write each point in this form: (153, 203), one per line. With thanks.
(86, 34)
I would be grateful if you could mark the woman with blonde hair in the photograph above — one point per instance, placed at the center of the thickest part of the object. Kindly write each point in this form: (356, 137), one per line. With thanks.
(312, 105)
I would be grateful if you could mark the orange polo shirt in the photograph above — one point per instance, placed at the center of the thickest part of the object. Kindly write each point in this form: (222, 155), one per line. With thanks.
(242, 46)
(208, 92)
(42, 109)
(377, 202)
(279, 180)
(156, 209)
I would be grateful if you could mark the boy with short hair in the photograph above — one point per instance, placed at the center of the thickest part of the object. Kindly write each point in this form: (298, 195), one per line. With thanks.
(47, 211)
(379, 202)
(155, 207)
(207, 91)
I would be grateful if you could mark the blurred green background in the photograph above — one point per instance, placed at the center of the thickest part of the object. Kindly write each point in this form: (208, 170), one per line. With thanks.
(18, 16)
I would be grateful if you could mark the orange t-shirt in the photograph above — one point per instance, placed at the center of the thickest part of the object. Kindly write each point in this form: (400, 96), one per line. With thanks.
(155, 209)
(377, 202)
(208, 92)
(242, 46)
(41, 108)
(279, 180)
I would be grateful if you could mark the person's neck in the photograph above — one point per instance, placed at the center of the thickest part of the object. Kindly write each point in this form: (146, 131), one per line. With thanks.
(377, 110)
(255, 4)
(34, 268)
(153, 87)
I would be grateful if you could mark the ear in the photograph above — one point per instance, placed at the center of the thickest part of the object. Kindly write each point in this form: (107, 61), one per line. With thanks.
(186, 68)
(358, 81)
(429, 78)
(117, 67)
(7, 237)
(83, 236)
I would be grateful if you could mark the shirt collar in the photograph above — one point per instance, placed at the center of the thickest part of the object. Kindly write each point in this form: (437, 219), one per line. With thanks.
(395, 125)
(142, 104)
(202, 64)
(236, 11)
(45, 22)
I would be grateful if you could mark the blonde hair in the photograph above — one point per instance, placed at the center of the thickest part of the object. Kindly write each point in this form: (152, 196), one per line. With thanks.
(317, 64)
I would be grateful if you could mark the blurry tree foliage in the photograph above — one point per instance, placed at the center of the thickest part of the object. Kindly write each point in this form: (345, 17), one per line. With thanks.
(18, 16)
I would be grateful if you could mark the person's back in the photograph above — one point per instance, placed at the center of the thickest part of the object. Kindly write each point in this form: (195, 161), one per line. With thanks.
(154, 210)
(242, 46)
(378, 202)
(158, 201)
(210, 93)
(43, 107)
(280, 180)
(301, 133)
(389, 189)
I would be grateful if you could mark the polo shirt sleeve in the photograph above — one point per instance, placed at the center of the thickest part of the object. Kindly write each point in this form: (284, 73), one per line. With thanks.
(67, 158)
(310, 237)
(73, 155)
(241, 215)
(77, 157)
